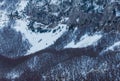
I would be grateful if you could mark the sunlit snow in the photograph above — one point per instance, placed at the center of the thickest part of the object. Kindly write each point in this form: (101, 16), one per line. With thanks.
(39, 41)
(85, 41)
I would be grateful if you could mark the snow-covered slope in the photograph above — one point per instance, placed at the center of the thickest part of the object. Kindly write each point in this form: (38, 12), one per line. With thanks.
(39, 41)
(85, 41)
(59, 40)
(115, 45)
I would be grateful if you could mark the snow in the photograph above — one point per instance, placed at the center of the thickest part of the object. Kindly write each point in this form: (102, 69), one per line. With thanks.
(64, 19)
(39, 41)
(40, 4)
(85, 41)
(3, 18)
(1, 3)
(116, 44)
(22, 5)
(99, 8)
(55, 13)
(56, 2)
(33, 62)
(118, 14)
(113, 46)
(13, 75)
(114, 1)
(37, 25)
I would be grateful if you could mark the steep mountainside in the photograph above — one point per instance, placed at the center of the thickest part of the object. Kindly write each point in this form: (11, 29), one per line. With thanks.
(59, 40)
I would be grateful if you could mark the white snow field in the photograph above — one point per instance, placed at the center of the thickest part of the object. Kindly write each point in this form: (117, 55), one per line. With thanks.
(39, 41)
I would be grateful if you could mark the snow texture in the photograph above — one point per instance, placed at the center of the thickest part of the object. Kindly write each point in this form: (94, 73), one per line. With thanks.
(39, 41)
(85, 41)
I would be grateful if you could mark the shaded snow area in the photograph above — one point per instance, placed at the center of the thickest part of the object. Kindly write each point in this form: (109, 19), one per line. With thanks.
(85, 41)
(39, 41)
